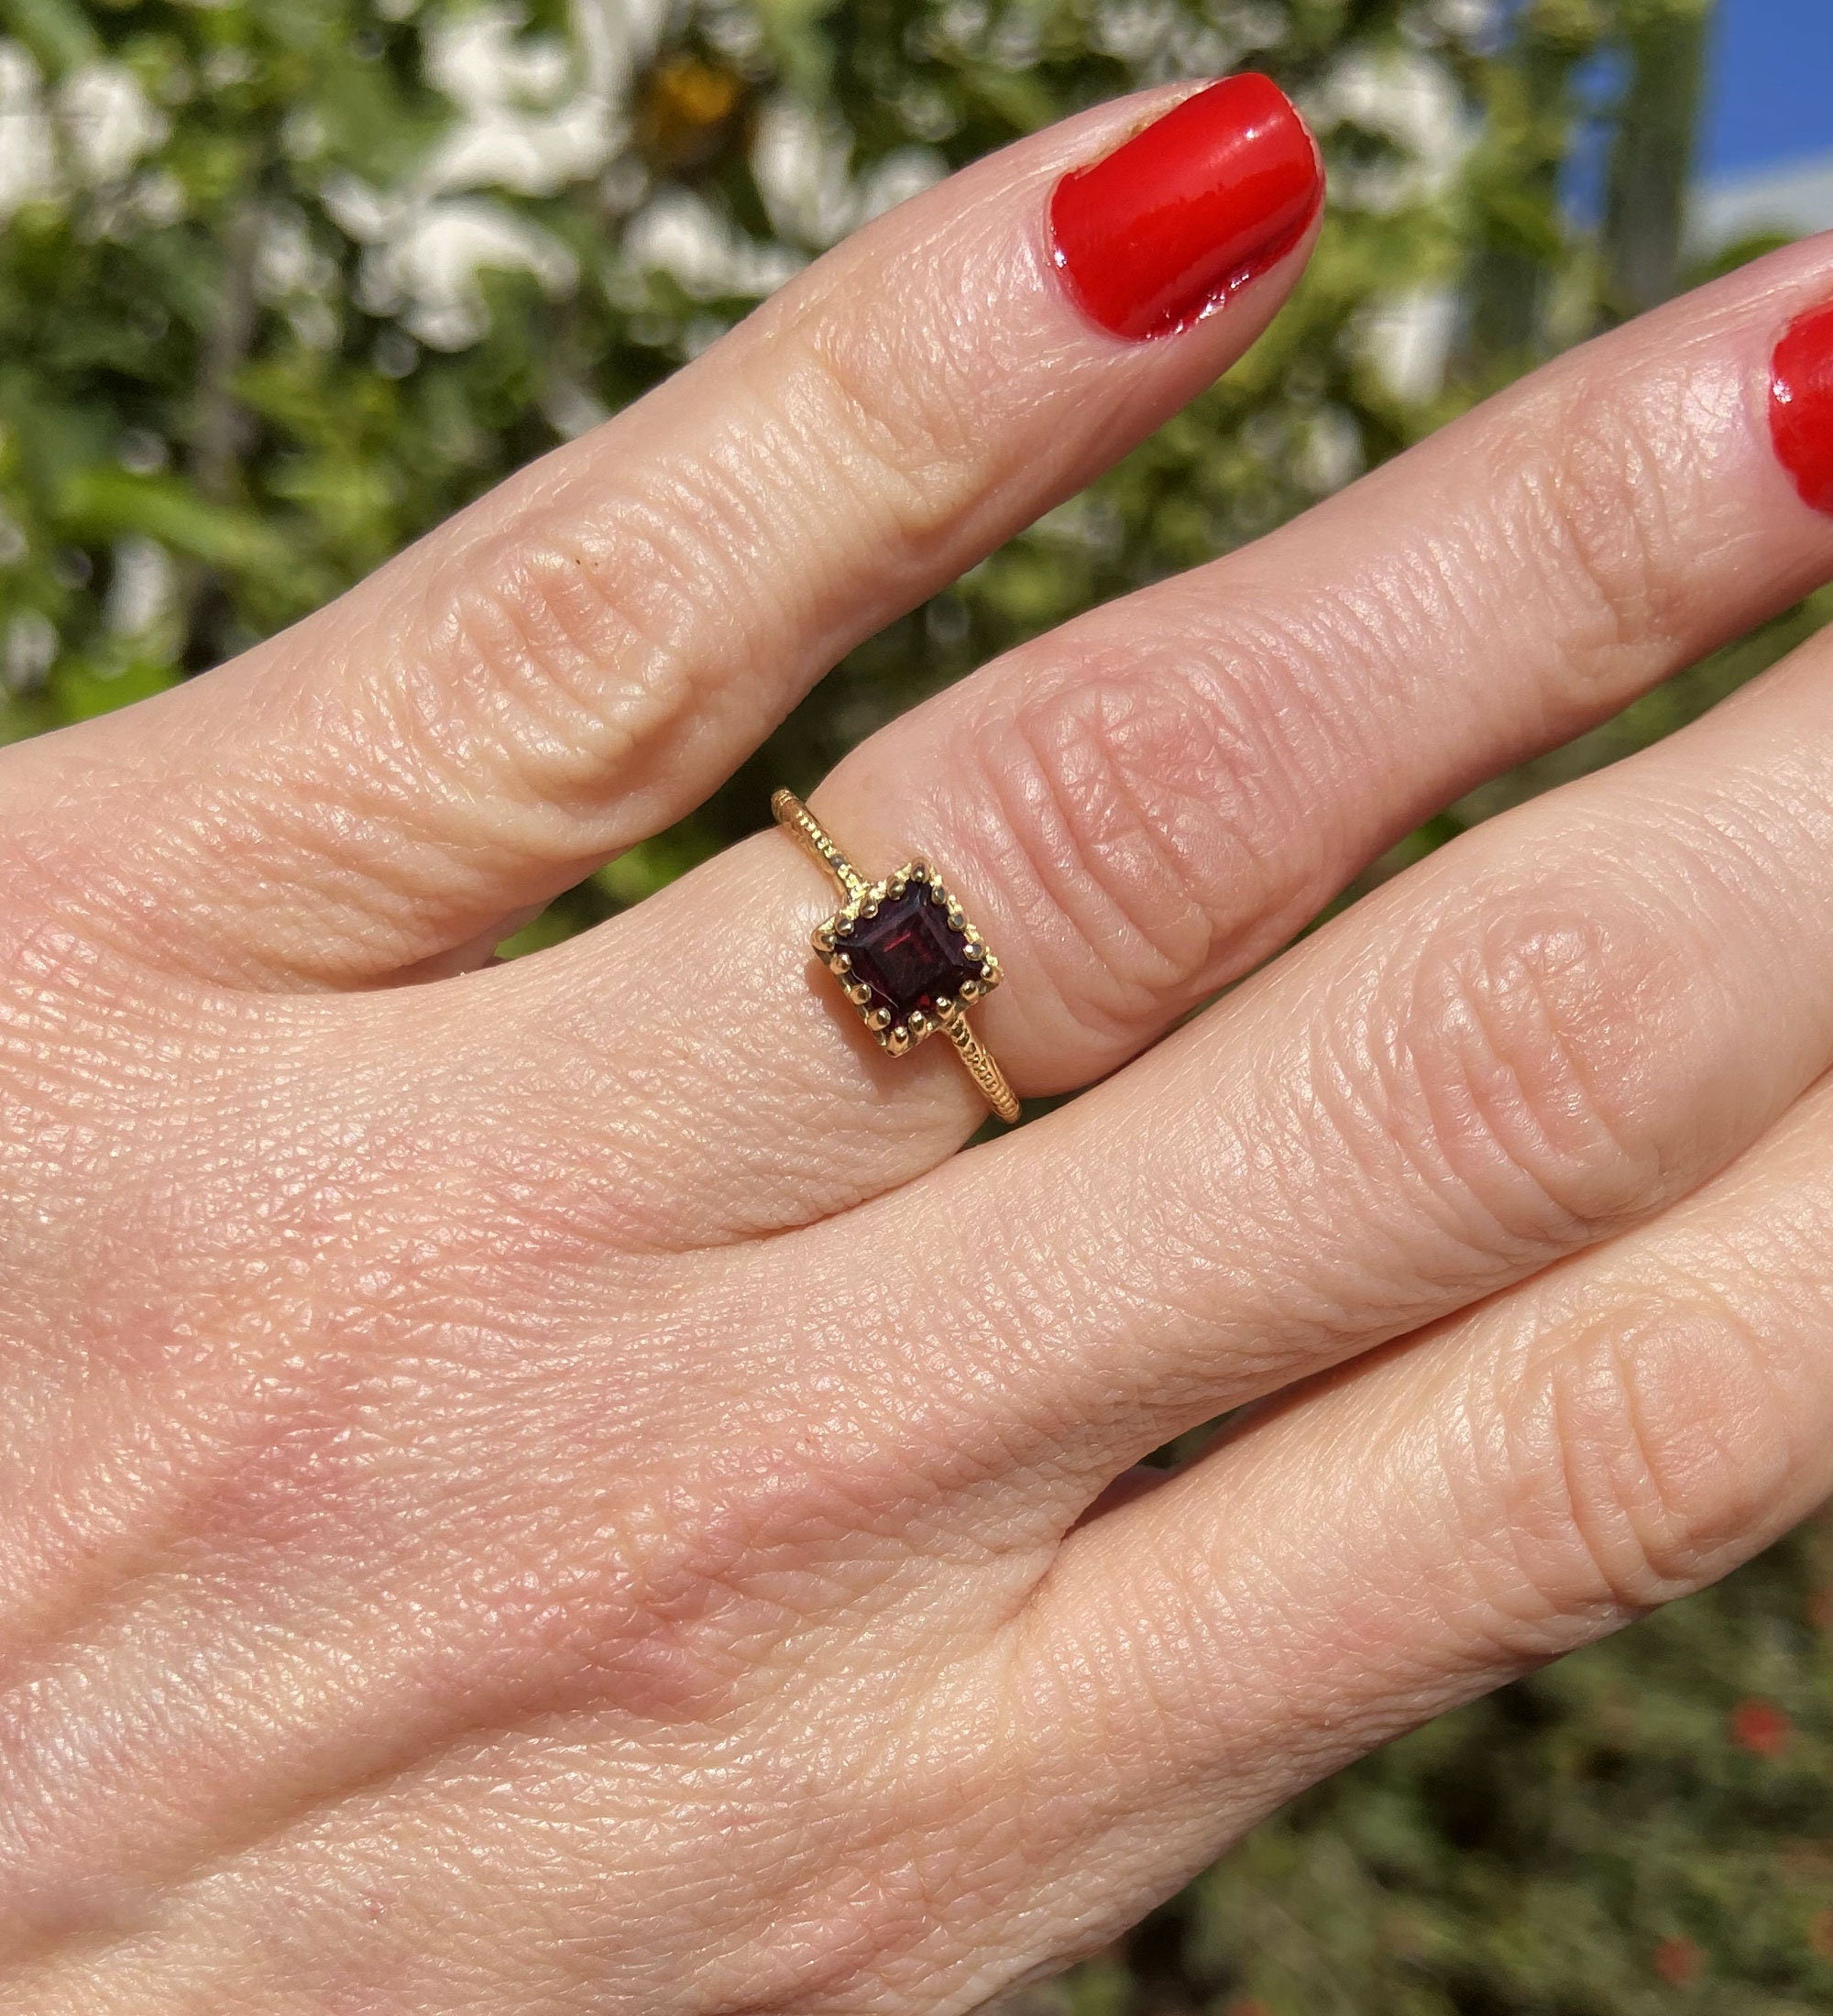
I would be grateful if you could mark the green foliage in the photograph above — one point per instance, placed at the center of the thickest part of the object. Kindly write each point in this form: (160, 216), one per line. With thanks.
(283, 282)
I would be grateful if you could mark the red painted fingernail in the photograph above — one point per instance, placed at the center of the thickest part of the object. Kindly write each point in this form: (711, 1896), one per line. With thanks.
(1801, 405)
(1173, 220)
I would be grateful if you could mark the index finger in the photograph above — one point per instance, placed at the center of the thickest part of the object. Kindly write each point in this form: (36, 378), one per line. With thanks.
(579, 659)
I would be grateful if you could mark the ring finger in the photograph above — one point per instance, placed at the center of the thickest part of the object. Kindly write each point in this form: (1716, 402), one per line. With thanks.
(1558, 1026)
(1142, 805)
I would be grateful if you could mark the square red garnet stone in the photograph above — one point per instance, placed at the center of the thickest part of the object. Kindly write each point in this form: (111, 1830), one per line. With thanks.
(906, 955)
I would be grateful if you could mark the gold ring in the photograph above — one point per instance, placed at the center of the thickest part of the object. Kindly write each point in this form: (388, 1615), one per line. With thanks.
(905, 954)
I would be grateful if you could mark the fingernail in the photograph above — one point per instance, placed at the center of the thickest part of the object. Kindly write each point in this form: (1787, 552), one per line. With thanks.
(1173, 220)
(1801, 405)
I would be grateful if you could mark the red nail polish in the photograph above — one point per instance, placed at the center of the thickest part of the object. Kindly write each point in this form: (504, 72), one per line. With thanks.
(1801, 405)
(1174, 220)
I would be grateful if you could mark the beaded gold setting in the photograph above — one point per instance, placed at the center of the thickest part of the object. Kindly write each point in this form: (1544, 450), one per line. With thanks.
(905, 953)
(830, 940)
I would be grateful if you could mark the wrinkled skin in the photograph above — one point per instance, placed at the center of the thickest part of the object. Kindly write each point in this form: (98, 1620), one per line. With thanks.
(555, 1488)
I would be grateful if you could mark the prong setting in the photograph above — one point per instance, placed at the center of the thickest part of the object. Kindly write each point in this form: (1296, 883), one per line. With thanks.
(905, 945)
(963, 968)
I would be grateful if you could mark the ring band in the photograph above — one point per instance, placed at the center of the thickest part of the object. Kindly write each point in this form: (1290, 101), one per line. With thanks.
(904, 952)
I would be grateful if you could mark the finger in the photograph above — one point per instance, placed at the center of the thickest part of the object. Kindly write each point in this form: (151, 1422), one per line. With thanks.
(1431, 1522)
(577, 660)
(1145, 805)
(1153, 799)
(1557, 1026)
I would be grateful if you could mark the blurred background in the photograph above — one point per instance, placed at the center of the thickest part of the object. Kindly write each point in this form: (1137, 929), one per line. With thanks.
(283, 282)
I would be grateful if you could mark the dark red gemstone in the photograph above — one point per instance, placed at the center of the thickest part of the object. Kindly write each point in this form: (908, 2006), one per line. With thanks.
(909, 955)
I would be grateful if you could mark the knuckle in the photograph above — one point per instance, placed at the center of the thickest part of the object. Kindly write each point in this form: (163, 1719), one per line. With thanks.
(1649, 1444)
(915, 459)
(1146, 818)
(905, 393)
(1588, 486)
(580, 643)
(591, 633)
(1523, 1057)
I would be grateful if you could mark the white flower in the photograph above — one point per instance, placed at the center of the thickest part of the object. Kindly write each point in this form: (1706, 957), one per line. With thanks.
(29, 648)
(1407, 339)
(28, 158)
(1411, 99)
(426, 269)
(903, 174)
(108, 121)
(679, 234)
(804, 169)
(142, 588)
(535, 114)
(286, 262)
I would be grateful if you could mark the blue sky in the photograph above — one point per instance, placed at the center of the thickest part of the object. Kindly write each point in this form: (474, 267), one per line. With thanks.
(1770, 97)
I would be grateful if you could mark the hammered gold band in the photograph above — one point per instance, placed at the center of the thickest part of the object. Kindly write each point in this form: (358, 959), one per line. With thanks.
(904, 952)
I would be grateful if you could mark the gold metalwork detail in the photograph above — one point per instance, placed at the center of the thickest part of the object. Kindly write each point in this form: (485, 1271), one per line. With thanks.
(801, 825)
(862, 899)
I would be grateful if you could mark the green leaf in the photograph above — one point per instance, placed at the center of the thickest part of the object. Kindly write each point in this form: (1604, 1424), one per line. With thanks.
(58, 33)
(80, 688)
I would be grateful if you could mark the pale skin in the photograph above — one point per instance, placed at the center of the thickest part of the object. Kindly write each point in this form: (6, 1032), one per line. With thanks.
(558, 1488)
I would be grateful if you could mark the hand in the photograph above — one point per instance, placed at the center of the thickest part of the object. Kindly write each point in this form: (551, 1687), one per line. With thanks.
(555, 1488)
